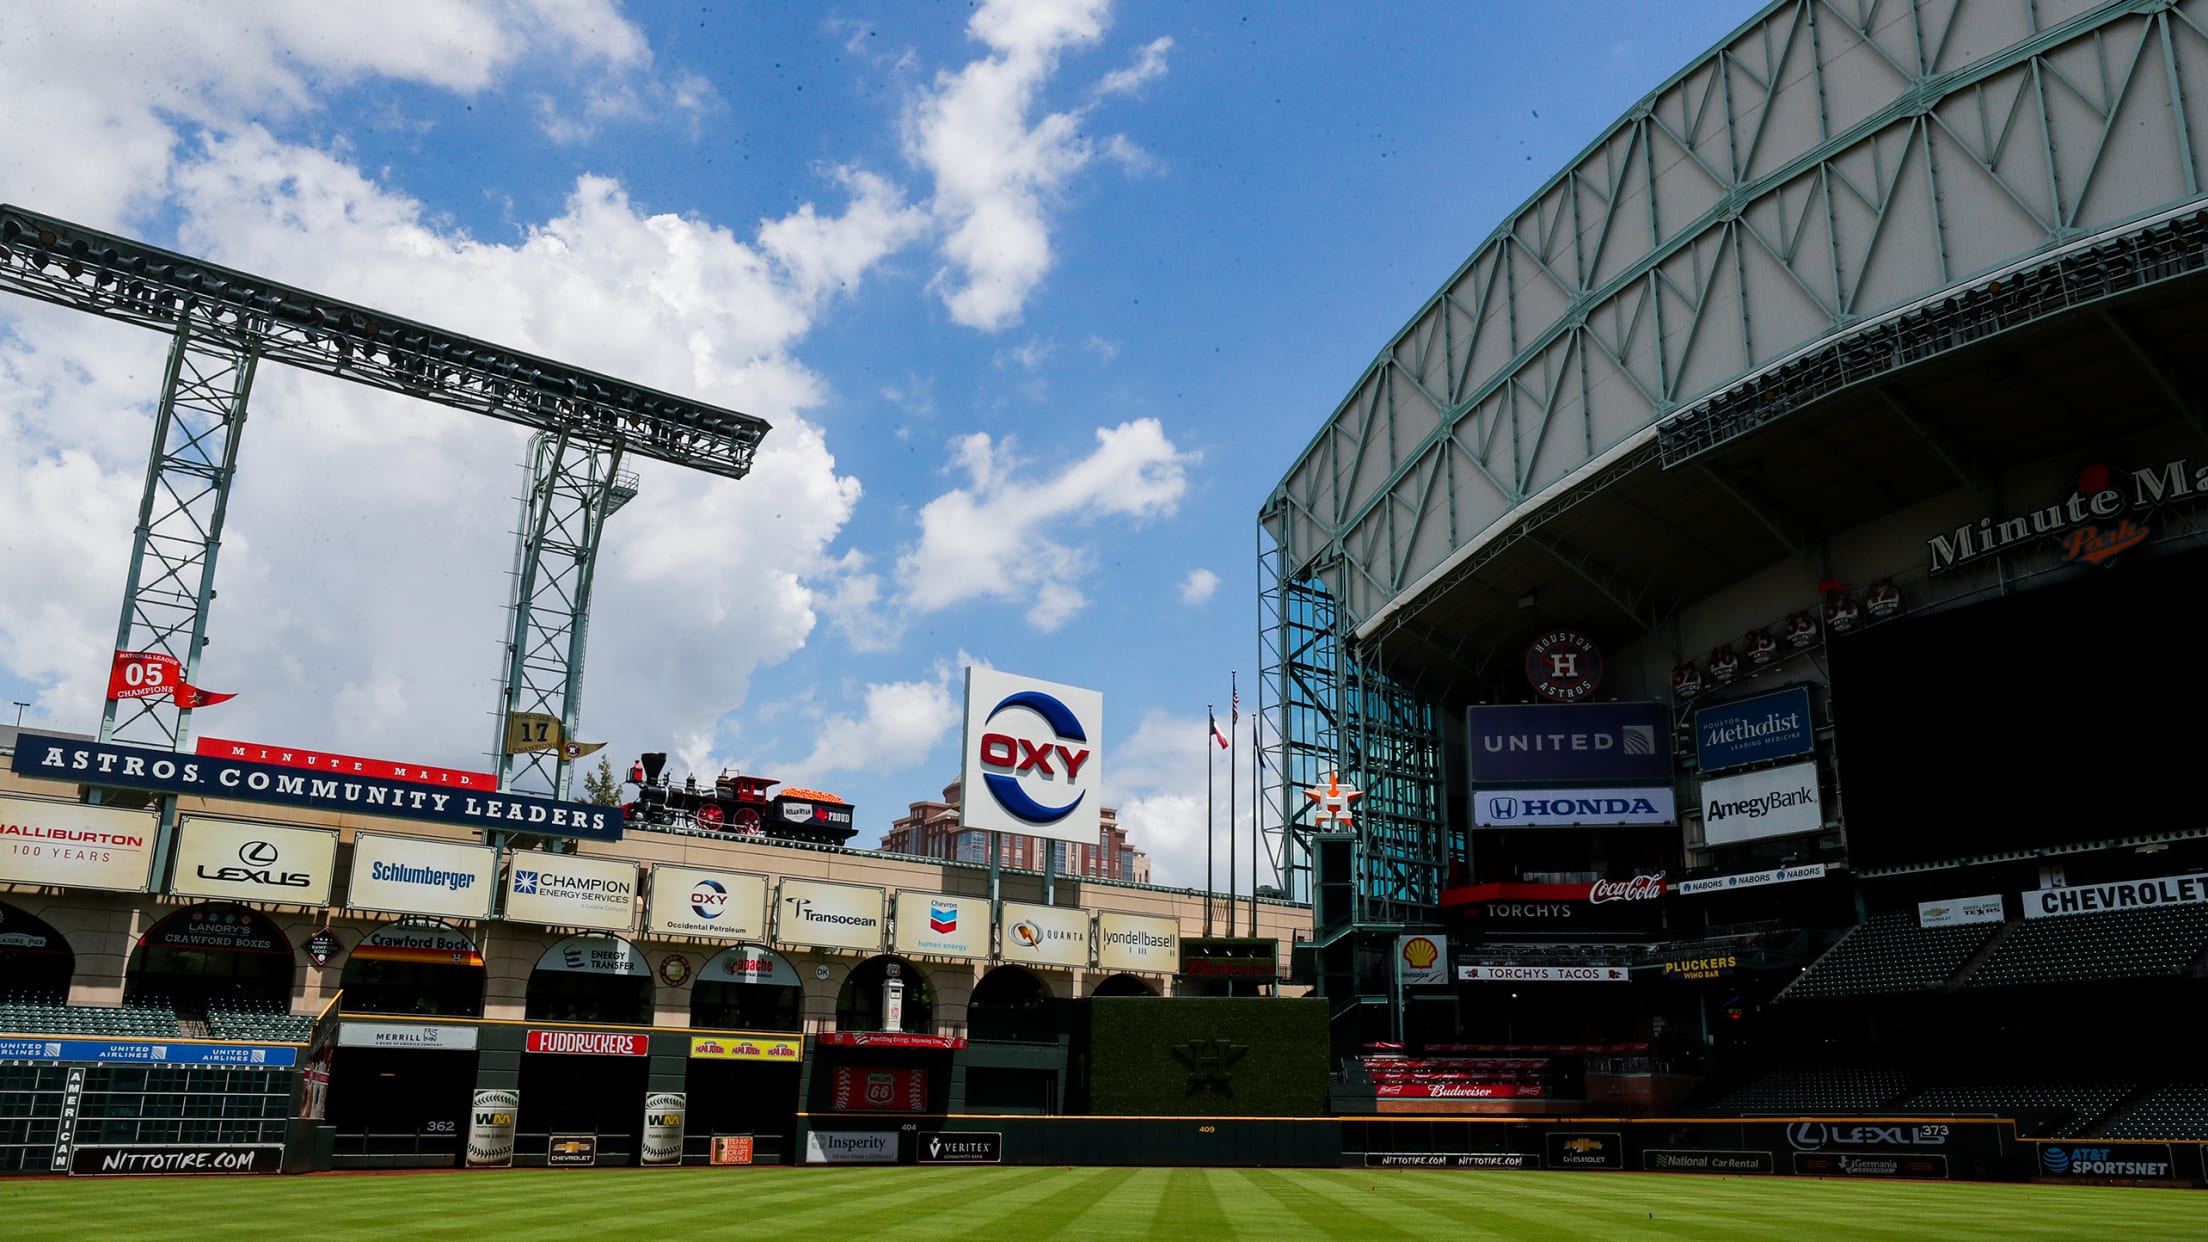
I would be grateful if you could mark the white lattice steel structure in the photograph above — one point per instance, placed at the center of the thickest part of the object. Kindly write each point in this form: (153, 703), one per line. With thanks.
(1839, 189)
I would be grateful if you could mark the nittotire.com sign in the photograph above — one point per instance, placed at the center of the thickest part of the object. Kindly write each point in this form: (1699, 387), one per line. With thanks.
(151, 1161)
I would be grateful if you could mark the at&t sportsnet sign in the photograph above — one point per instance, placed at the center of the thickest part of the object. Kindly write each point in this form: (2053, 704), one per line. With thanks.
(1033, 757)
(212, 776)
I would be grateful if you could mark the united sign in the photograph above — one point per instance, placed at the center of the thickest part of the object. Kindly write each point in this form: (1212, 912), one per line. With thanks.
(1033, 760)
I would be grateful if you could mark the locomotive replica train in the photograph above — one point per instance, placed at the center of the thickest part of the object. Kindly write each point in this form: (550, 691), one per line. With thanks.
(735, 804)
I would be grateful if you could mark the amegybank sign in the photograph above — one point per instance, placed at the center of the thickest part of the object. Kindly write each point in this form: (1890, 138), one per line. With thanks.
(1774, 802)
(408, 875)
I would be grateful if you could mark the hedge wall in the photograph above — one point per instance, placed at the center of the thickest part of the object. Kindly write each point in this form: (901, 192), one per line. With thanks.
(1200, 1056)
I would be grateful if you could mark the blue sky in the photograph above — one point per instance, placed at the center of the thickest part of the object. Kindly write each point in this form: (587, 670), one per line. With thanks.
(1042, 299)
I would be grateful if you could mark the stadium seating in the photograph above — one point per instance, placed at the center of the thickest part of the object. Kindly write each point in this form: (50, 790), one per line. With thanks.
(38, 1013)
(1797, 1089)
(2068, 1109)
(1890, 953)
(2120, 944)
(2178, 1111)
(256, 1020)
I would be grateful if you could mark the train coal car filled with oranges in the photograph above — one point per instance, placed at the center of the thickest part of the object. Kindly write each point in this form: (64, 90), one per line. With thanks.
(735, 804)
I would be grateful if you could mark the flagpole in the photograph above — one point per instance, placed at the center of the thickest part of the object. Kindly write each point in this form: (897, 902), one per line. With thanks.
(1236, 700)
(1256, 802)
(1211, 818)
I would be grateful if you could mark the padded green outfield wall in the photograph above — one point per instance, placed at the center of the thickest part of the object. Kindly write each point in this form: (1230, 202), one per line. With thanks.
(1204, 1056)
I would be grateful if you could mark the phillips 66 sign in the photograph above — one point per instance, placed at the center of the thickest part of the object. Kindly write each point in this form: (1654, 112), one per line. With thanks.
(1034, 757)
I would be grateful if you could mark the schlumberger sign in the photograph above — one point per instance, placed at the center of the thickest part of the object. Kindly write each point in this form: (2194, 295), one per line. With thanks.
(1033, 757)
(209, 776)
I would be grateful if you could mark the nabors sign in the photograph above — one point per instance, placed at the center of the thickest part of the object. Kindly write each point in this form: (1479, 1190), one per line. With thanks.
(1033, 757)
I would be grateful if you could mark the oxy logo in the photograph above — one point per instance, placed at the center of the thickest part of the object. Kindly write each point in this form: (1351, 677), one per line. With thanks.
(259, 859)
(1817, 1135)
(1025, 759)
(709, 899)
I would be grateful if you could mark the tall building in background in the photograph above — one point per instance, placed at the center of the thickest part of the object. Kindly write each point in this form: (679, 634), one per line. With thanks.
(930, 830)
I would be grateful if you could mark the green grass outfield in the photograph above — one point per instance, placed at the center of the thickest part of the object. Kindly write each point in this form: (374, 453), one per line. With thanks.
(964, 1205)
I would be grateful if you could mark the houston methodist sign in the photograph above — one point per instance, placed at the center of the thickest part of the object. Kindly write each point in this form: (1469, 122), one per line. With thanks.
(1033, 760)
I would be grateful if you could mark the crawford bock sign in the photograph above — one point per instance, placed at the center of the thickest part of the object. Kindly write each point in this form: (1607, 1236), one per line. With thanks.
(1591, 743)
(70, 845)
(214, 776)
(1774, 802)
(1033, 757)
(227, 858)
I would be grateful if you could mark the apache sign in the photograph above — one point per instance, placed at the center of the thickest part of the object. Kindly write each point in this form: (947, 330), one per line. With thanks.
(1033, 757)
(211, 776)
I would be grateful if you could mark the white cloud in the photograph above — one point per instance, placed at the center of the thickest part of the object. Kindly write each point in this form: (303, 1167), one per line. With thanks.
(992, 539)
(1157, 782)
(1148, 67)
(997, 174)
(903, 722)
(1198, 586)
(363, 570)
(1029, 357)
(1105, 350)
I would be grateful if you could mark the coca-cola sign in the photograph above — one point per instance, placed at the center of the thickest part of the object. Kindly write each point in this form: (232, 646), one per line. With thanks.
(1639, 888)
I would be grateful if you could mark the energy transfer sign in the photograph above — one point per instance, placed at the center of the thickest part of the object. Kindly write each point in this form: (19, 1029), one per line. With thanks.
(1033, 760)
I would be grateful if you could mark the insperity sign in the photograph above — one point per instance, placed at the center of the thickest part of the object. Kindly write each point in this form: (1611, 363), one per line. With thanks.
(1033, 757)
(213, 776)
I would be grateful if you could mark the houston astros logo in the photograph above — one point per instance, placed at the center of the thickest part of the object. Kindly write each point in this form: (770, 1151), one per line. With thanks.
(1059, 758)
(1564, 665)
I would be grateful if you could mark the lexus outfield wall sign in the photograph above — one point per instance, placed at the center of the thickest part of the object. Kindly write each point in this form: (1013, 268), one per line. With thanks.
(232, 859)
(1033, 760)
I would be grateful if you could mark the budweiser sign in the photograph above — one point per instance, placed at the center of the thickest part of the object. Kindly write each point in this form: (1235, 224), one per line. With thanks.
(593, 1043)
(1639, 888)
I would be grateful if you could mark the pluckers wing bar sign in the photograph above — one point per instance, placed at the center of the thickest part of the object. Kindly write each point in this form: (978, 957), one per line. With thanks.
(213, 776)
(1230, 957)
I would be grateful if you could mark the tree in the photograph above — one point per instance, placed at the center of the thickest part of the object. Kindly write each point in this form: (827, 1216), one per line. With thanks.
(599, 787)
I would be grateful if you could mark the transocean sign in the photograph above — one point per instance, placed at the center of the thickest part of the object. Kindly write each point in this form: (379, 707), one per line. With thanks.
(211, 776)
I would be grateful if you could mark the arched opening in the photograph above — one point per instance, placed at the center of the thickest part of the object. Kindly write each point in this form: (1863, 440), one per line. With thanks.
(36, 963)
(1123, 985)
(1011, 1004)
(226, 965)
(748, 988)
(415, 966)
(594, 977)
(859, 1004)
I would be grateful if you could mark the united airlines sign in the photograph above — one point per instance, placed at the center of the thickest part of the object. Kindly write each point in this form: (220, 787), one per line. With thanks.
(1582, 743)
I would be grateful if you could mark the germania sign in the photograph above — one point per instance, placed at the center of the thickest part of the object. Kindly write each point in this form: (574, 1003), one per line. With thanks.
(2102, 517)
(213, 776)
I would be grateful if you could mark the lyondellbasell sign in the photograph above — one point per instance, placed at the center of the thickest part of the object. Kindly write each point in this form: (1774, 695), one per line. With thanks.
(2104, 516)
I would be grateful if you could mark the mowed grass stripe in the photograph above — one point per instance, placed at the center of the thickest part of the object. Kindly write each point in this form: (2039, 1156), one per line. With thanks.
(1035, 1203)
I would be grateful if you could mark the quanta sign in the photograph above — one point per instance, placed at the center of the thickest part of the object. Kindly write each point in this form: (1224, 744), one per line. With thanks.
(1033, 757)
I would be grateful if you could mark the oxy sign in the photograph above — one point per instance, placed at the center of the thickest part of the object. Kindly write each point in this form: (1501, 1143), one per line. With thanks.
(716, 905)
(1033, 757)
(228, 858)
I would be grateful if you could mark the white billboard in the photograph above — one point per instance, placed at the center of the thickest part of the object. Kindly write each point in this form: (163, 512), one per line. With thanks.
(1422, 960)
(1962, 910)
(1034, 757)
(1542, 974)
(238, 861)
(943, 925)
(2174, 890)
(568, 890)
(715, 905)
(1775, 802)
(1137, 942)
(71, 845)
(1566, 808)
(410, 875)
(851, 1147)
(1043, 935)
(405, 1035)
(829, 916)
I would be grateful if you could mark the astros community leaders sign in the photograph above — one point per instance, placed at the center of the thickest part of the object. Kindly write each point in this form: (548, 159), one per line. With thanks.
(210, 776)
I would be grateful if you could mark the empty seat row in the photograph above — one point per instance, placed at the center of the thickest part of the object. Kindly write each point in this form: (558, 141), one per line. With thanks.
(2116, 944)
(1890, 953)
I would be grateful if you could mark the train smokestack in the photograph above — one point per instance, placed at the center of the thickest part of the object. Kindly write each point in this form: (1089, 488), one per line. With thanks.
(654, 761)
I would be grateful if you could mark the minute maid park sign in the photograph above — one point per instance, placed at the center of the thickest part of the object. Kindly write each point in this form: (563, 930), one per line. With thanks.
(209, 776)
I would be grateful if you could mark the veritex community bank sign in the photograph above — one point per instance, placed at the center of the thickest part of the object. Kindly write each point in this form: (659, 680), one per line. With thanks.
(208, 776)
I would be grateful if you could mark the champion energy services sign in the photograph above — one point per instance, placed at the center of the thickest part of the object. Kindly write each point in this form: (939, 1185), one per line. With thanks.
(566, 890)
(70, 845)
(409, 875)
(213, 776)
(942, 925)
(830, 916)
(714, 905)
(227, 858)
(1033, 760)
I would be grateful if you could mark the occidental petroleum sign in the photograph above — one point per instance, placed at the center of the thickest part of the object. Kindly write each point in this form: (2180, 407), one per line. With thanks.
(1033, 757)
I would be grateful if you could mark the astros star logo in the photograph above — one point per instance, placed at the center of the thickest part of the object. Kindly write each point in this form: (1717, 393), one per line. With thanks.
(1333, 801)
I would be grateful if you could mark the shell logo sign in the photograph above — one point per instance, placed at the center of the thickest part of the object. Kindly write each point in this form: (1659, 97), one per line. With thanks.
(1422, 960)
